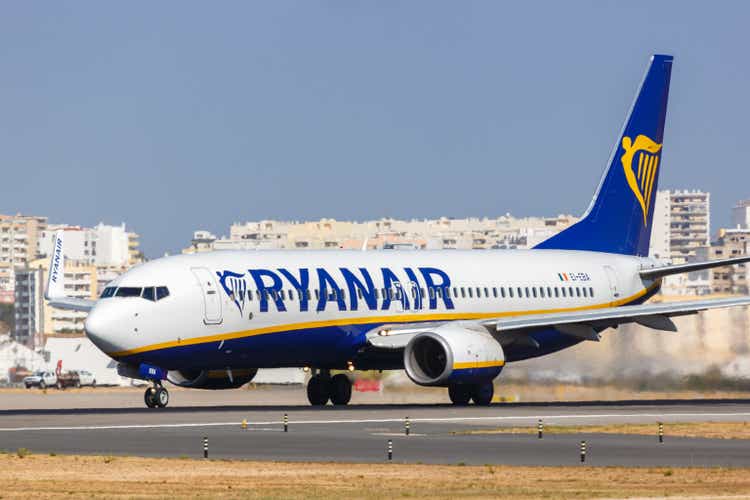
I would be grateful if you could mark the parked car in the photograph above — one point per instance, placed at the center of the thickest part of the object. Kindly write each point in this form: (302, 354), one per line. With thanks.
(41, 379)
(68, 379)
(86, 378)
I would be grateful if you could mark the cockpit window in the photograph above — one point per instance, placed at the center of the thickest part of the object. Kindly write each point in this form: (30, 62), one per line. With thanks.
(128, 291)
(148, 293)
(108, 292)
(161, 292)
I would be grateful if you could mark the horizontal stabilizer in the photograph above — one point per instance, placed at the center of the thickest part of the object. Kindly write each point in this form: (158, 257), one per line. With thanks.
(658, 272)
(72, 303)
(646, 314)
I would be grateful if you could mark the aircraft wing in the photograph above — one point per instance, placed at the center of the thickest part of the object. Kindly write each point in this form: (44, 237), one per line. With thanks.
(658, 272)
(583, 324)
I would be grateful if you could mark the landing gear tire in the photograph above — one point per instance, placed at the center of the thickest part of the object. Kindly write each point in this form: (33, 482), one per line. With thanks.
(482, 394)
(149, 397)
(318, 390)
(340, 389)
(161, 397)
(460, 394)
(156, 397)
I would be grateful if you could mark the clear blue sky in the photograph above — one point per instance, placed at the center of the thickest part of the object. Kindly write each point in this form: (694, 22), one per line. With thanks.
(175, 116)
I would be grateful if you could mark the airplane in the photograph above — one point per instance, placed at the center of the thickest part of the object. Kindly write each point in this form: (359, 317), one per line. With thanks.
(449, 318)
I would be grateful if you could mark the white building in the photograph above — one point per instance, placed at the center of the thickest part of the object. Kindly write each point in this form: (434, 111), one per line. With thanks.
(470, 233)
(690, 214)
(660, 229)
(101, 246)
(741, 215)
(680, 234)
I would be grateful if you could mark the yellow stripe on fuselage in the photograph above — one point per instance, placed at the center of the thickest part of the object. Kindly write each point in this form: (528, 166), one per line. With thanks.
(477, 364)
(402, 318)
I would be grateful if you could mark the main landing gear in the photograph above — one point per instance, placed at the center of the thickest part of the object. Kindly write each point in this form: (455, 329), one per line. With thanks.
(481, 394)
(323, 387)
(156, 396)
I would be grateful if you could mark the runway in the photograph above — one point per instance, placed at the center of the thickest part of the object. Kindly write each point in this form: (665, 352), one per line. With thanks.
(359, 433)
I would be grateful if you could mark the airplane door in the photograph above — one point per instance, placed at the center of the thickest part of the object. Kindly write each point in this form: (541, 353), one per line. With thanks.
(612, 278)
(211, 300)
(399, 296)
(415, 295)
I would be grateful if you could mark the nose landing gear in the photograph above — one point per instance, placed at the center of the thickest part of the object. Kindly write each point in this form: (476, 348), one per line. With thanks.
(323, 387)
(156, 396)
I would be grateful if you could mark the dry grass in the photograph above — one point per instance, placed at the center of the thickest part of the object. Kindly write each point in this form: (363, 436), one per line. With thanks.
(41, 476)
(713, 430)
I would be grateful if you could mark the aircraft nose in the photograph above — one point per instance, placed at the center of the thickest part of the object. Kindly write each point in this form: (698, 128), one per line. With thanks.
(101, 328)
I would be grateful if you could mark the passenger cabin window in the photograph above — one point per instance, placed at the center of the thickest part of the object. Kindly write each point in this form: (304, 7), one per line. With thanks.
(591, 291)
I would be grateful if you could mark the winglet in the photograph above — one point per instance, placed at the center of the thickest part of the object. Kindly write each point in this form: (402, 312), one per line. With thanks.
(56, 274)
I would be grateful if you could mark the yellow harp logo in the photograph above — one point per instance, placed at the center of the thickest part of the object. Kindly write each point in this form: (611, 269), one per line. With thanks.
(640, 162)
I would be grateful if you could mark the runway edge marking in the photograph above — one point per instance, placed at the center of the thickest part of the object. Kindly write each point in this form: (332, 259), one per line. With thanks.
(369, 421)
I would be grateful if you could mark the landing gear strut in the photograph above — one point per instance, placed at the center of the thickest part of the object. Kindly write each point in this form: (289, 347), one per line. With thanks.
(156, 396)
(323, 387)
(481, 394)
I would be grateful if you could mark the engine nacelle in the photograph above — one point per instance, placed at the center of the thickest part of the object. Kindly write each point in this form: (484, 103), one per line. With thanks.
(211, 379)
(453, 354)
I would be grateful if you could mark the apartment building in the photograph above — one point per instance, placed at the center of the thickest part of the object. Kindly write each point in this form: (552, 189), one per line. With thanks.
(741, 215)
(730, 243)
(689, 213)
(102, 245)
(19, 235)
(34, 317)
(442, 233)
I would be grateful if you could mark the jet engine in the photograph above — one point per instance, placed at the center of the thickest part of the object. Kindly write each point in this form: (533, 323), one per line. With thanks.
(211, 379)
(453, 354)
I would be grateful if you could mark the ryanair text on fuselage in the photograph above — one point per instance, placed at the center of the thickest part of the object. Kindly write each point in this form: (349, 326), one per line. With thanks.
(268, 286)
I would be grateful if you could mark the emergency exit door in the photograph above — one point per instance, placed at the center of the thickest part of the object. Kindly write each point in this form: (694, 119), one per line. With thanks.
(211, 299)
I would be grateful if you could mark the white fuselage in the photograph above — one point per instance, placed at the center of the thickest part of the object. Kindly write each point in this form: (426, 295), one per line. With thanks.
(255, 308)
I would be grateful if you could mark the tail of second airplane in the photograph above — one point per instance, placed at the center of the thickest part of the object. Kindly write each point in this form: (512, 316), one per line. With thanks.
(620, 215)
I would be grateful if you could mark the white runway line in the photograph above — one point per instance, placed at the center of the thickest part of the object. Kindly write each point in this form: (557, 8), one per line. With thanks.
(548, 418)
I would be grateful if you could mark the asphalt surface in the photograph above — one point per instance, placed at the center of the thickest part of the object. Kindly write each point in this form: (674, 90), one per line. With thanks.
(360, 433)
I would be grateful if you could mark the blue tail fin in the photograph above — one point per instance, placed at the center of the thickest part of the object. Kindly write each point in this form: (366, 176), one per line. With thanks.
(619, 217)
